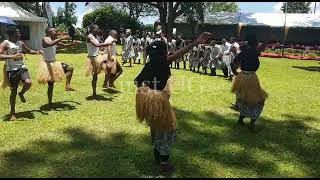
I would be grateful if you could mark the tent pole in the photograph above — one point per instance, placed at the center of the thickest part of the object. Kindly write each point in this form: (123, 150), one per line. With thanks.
(284, 28)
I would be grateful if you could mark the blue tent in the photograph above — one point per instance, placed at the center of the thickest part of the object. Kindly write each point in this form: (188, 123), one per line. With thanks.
(6, 20)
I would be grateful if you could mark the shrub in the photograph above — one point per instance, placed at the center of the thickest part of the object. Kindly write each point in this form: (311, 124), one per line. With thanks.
(108, 18)
(312, 55)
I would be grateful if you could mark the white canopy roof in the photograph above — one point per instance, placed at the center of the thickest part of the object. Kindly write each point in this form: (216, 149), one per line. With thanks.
(265, 19)
(15, 12)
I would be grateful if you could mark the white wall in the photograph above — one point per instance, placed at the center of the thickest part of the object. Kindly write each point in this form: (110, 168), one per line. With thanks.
(37, 32)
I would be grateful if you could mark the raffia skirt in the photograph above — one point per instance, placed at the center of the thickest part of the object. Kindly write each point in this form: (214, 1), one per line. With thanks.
(94, 65)
(250, 95)
(110, 66)
(153, 106)
(5, 82)
(50, 72)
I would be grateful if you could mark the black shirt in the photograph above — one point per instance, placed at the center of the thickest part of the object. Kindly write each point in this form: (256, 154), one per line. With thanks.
(249, 59)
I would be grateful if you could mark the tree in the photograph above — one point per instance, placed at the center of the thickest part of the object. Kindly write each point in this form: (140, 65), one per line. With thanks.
(108, 17)
(169, 11)
(32, 7)
(66, 17)
(231, 7)
(296, 7)
(148, 28)
(134, 9)
(36, 8)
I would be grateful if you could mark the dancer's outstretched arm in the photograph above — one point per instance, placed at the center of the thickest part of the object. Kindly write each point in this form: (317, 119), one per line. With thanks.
(47, 43)
(90, 39)
(27, 50)
(62, 45)
(200, 40)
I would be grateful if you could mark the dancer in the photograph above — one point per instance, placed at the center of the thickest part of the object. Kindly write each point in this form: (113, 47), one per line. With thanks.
(114, 69)
(14, 70)
(193, 58)
(171, 44)
(215, 57)
(251, 97)
(180, 43)
(94, 59)
(152, 99)
(127, 52)
(200, 58)
(205, 59)
(136, 49)
(51, 70)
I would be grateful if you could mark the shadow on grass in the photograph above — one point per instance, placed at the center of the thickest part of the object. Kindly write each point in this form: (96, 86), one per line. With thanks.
(25, 114)
(204, 148)
(278, 138)
(309, 68)
(85, 155)
(60, 106)
(99, 98)
(111, 91)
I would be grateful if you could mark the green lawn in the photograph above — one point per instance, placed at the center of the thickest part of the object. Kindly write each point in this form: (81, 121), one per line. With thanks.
(102, 138)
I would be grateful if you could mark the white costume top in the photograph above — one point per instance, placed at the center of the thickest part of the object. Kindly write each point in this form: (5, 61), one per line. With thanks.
(49, 53)
(128, 52)
(92, 50)
(226, 48)
(109, 40)
(13, 49)
(172, 46)
(237, 46)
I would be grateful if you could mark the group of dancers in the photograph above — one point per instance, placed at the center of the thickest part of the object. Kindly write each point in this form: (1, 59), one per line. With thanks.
(214, 55)
(153, 92)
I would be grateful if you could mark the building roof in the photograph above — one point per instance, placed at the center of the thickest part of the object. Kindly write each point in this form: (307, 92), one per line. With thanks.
(257, 19)
(15, 12)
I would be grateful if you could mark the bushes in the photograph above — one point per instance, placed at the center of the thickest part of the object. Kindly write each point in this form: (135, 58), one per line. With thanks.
(312, 55)
(108, 18)
(293, 52)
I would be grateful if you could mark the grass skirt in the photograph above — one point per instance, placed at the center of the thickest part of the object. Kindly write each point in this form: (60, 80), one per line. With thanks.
(154, 107)
(110, 66)
(5, 82)
(50, 71)
(247, 86)
(94, 65)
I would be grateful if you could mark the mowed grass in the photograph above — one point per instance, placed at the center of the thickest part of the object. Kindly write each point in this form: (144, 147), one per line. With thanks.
(102, 138)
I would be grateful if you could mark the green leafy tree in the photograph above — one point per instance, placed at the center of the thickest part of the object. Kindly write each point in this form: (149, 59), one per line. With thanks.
(231, 7)
(32, 7)
(134, 9)
(296, 7)
(148, 28)
(66, 18)
(108, 17)
(169, 11)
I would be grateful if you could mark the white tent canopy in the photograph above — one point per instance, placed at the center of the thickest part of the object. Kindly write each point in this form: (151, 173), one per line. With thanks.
(15, 12)
(36, 24)
(258, 19)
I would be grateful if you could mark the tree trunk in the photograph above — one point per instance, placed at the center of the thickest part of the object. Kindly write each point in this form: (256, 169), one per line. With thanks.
(171, 17)
(163, 17)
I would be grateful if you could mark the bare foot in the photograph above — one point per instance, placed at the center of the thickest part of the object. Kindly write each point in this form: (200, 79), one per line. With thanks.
(22, 99)
(13, 117)
(113, 86)
(69, 89)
